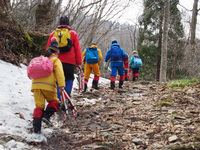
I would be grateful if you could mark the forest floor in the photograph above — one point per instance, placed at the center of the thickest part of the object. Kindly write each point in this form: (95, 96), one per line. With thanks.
(142, 115)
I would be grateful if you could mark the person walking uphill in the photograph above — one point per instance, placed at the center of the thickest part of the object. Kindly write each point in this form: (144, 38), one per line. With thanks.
(70, 51)
(135, 65)
(46, 88)
(125, 61)
(92, 58)
(116, 56)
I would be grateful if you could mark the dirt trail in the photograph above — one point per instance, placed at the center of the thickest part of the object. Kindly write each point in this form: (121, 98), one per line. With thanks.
(142, 115)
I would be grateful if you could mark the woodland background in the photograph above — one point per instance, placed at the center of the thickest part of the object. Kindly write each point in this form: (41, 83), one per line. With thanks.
(167, 51)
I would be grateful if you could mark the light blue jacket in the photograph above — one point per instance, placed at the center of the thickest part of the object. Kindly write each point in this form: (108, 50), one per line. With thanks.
(132, 61)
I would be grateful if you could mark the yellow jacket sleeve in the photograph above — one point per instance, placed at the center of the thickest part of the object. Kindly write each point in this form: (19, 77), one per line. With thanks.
(100, 56)
(83, 55)
(59, 73)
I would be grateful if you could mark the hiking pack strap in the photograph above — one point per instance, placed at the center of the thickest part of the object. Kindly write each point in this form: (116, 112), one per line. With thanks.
(116, 61)
(51, 56)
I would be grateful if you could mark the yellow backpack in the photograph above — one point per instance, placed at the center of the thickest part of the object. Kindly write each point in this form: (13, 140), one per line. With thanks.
(64, 39)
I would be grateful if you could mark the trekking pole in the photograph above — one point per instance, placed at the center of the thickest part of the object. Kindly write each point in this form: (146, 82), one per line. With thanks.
(65, 106)
(108, 64)
(73, 107)
(80, 79)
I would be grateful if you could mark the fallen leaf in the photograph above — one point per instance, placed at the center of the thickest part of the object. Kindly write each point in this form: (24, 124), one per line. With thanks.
(21, 116)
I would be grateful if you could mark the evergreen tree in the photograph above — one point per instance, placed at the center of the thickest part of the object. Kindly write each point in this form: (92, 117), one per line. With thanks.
(151, 34)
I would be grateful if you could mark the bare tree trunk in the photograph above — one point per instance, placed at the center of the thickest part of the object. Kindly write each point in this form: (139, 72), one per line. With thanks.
(194, 22)
(133, 37)
(163, 66)
(192, 58)
(159, 45)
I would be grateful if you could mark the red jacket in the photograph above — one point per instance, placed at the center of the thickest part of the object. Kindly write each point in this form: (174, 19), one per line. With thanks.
(125, 61)
(74, 55)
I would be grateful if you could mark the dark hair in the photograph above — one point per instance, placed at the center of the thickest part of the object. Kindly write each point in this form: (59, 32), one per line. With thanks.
(64, 20)
(48, 52)
(114, 41)
(93, 43)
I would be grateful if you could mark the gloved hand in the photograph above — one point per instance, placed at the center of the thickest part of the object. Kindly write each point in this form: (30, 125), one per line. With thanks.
(105, 65)
(79, 66)
(60, 89)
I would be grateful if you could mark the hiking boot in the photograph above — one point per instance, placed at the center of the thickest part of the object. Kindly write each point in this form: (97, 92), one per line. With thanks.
(85, 88)
(61, 106)
(112, 85)
(120, 84)
(95, 84)
(136, 78)
(37, 125)
(46, 120)
(47, 114)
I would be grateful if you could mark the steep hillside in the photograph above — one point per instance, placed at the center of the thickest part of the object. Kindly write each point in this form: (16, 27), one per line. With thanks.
(19, 46)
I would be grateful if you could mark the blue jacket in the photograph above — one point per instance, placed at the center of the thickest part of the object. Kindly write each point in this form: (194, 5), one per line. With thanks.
(108, 55)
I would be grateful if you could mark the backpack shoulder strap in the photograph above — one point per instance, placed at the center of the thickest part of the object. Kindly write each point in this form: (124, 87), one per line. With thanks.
(87, 49)
(51, 56)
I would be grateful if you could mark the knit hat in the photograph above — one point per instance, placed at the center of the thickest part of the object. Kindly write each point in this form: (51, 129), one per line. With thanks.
(135, 52)
(54, 39)
(114, 41)
(93, 43)
(64, 20)
(54, 45)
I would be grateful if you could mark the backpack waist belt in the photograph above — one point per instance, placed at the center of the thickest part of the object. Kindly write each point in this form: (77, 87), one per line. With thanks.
(117, 61)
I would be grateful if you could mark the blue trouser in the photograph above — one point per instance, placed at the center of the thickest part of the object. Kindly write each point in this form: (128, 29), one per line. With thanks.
(69, 78)
(117, 66)
(68, 88)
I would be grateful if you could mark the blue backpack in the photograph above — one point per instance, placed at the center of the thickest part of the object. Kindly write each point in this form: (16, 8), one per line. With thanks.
(116, 53)
(137, 62)
(92, 55)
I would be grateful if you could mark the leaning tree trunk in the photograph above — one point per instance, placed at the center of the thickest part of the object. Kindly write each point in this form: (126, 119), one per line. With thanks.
(163, 66)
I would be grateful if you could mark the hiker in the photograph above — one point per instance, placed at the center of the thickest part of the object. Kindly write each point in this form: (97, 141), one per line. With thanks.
(70, 51)
(46, 88)
(116, 55)
(135, 65)
(91, 57)
(126, 67)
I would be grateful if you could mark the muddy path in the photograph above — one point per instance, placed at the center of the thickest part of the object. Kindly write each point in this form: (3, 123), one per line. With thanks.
(143, 115)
